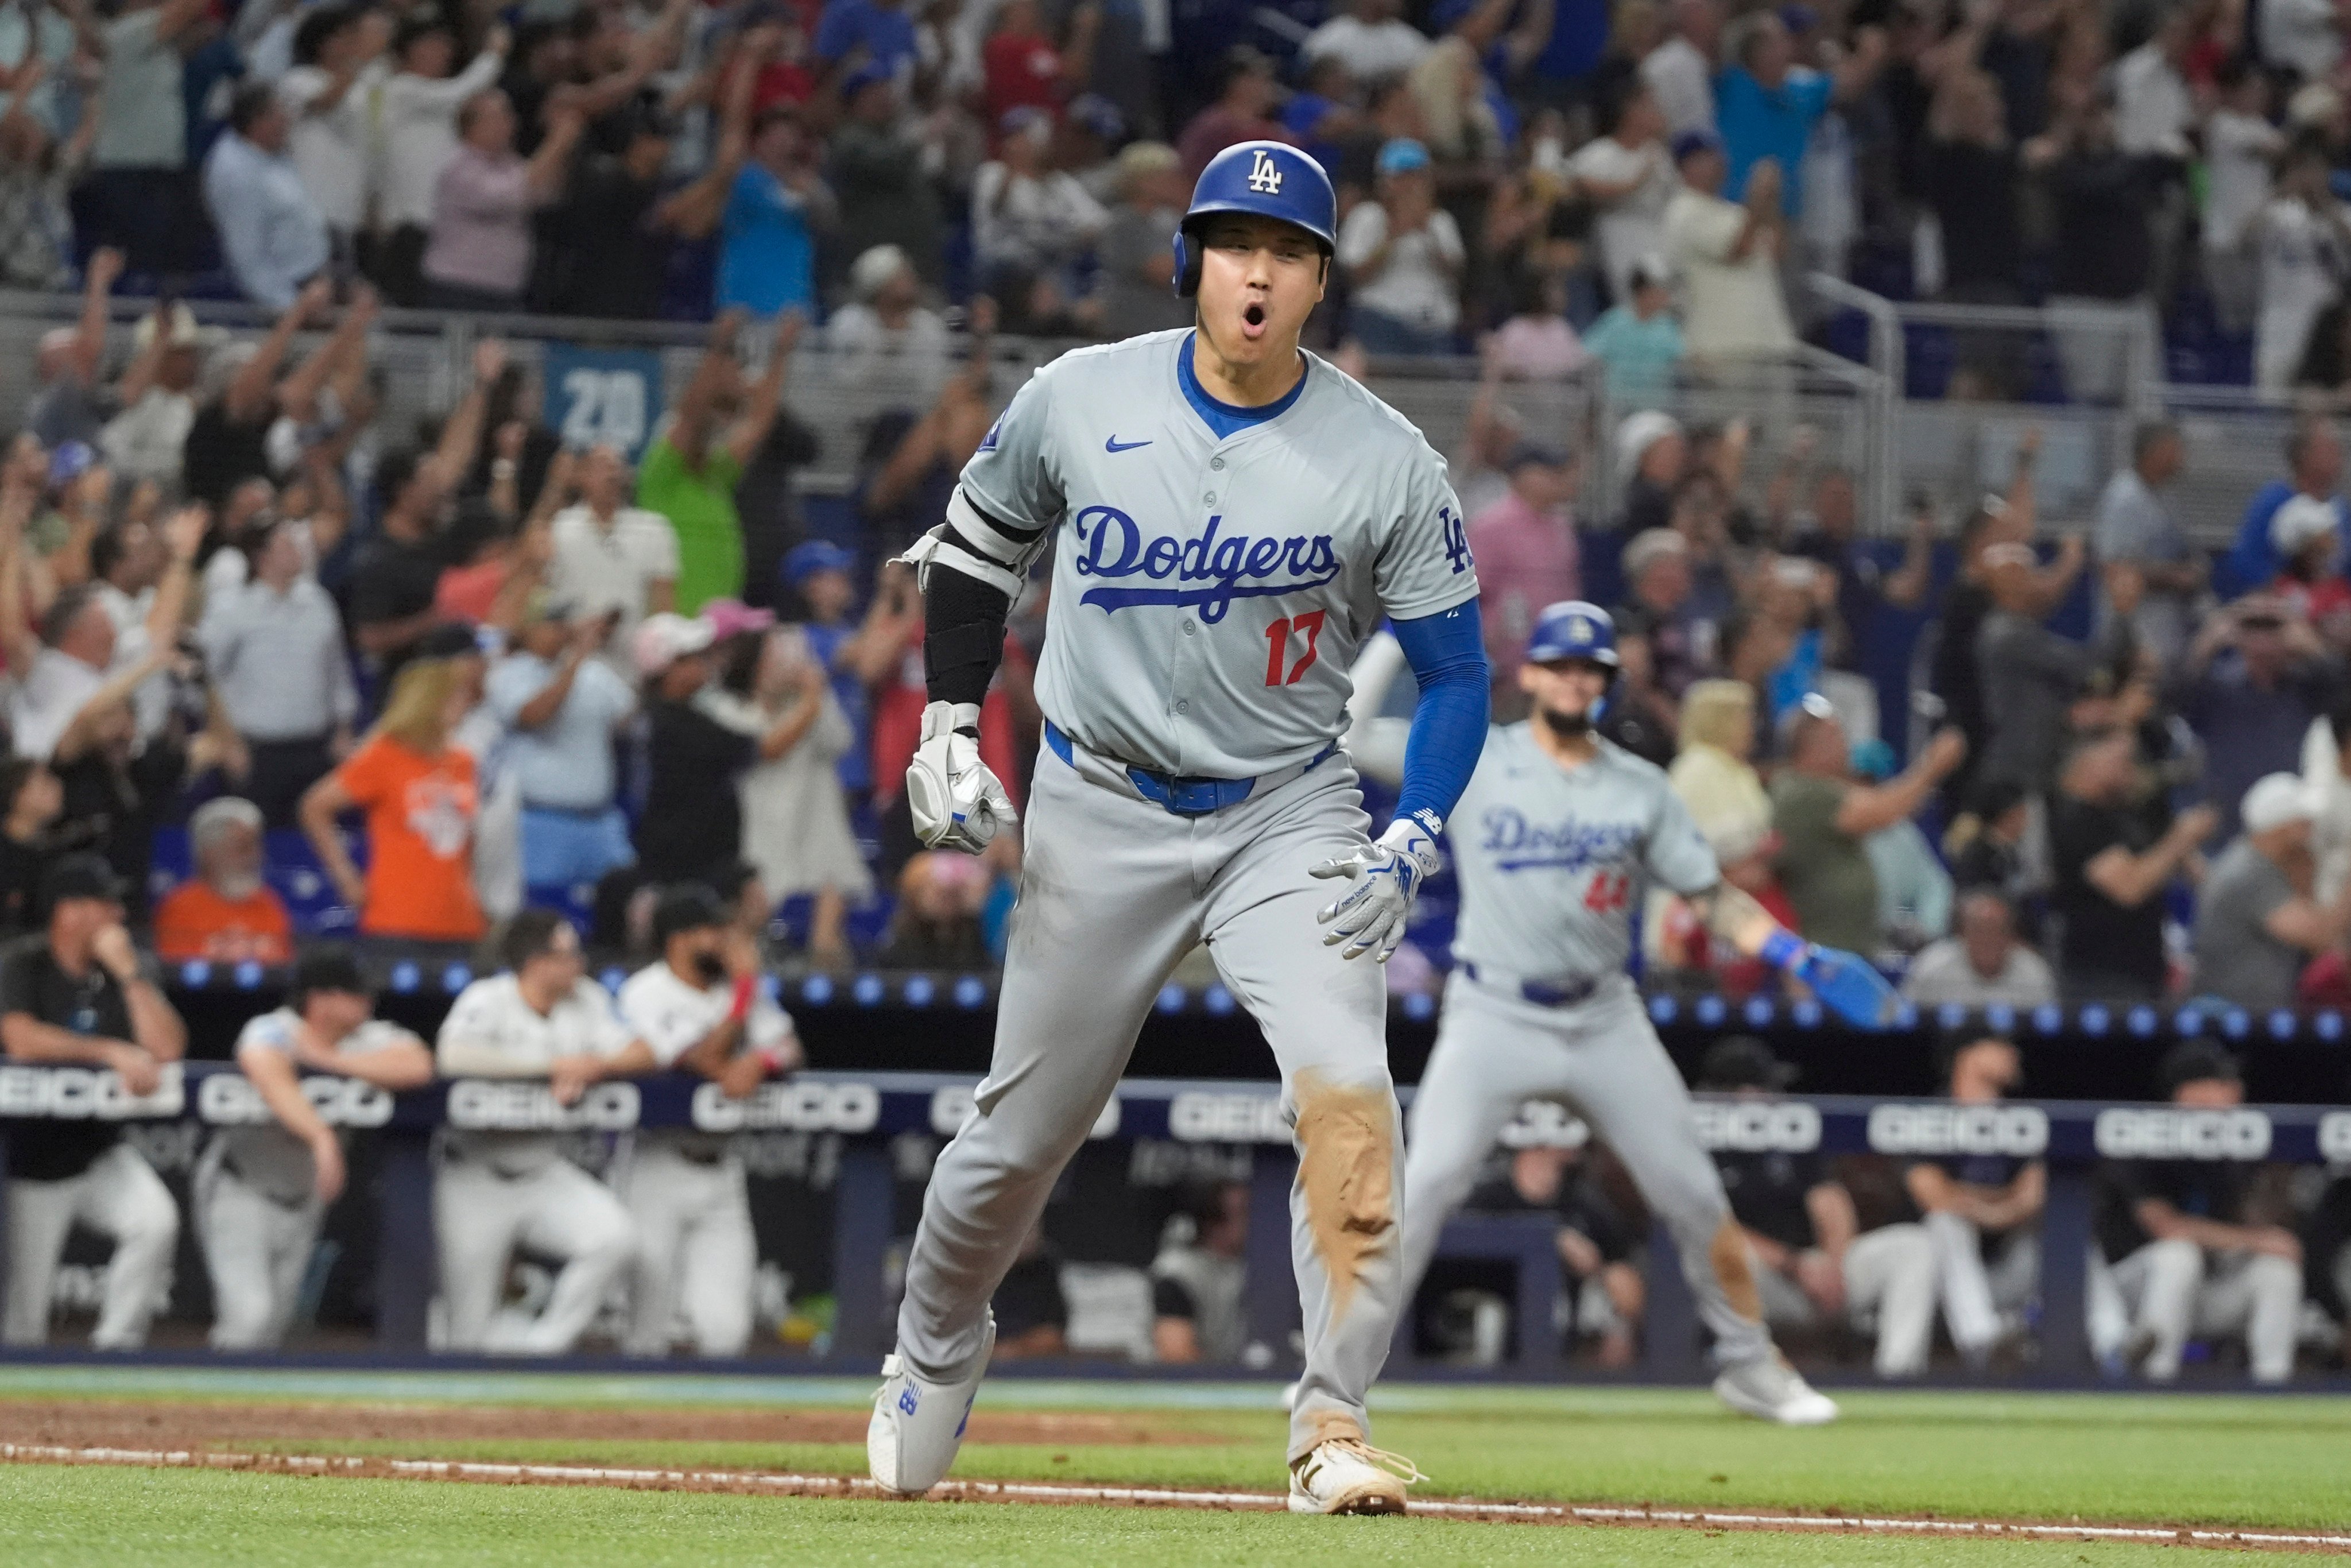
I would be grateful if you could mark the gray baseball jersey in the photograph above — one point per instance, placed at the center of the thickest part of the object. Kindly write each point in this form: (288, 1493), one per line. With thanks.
(1553, 862)
(1209, 592)
(266, 1156)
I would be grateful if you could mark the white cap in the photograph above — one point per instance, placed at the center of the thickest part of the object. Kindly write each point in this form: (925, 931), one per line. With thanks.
(1639, 433)
(2301, 520)
(873, 269)
(2274, 802)
(663, 640)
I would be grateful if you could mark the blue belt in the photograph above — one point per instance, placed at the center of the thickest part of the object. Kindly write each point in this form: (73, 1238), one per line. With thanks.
(1184, 796)
(1543, 993)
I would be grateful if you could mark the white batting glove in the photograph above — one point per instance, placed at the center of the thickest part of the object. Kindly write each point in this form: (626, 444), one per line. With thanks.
(957, 802)
(1370, 916)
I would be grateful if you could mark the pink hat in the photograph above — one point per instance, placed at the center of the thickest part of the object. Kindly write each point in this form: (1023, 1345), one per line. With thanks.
(733, 618)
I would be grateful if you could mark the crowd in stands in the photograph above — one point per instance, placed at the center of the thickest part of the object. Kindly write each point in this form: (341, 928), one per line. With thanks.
(1625, 182)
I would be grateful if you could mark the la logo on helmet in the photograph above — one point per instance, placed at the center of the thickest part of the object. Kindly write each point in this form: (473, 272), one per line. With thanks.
(1579, 630)
(1264, 174)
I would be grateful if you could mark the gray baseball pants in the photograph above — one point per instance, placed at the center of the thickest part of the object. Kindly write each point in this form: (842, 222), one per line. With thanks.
(1115, 890)
(1603, 1059)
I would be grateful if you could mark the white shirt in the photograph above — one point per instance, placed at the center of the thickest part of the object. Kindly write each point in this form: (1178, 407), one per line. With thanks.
(267, 1158)
(418, 115)
(2153, 111)
(908, 363)
(1683, 80)
(52, 692)
(1941, 974)
(1370, 50)
(149, 440)
(490, 1018)
(1730, 306)
(331, 148)
(2301, 35)
(152, 699)
(1633, 225)
(1411, 286)
(672, 1014)
(599, 567)
(1031, 220)
(2302, 261)
(2237, 152)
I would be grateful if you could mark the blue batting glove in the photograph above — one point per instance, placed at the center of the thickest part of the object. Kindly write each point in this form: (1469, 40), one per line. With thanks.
(1845, 983)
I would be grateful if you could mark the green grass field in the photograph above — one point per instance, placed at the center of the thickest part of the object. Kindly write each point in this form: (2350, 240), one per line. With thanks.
(2262, 1462)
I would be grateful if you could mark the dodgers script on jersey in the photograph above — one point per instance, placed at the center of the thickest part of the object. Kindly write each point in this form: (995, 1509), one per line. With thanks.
(1553, 862)
(1209, 593)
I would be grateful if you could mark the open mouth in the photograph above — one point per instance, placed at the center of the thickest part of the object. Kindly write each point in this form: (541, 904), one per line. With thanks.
(1253, 322)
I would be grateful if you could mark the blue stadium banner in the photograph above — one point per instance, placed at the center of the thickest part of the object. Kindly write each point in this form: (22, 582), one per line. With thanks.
(603, 397)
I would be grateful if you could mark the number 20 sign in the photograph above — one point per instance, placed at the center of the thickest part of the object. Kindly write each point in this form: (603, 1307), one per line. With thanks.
(603, 397)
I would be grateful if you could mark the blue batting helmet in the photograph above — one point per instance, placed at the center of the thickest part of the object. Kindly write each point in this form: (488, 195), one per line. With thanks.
(1270, 179)
(1574, 629)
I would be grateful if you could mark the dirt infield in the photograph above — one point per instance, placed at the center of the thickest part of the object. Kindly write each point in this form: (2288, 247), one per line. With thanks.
(775, 1484)
(205, 1427)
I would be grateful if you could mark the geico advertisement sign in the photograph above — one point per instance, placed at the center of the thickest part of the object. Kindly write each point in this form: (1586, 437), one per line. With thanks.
(1758, 1126)
(2019, 1130)
(2335, 1135)
(1199, 1118)
(790, 1106)
(2181, 1133)
(951, 1107)
(86, 1095)
(488, 1105)
(230, 1100)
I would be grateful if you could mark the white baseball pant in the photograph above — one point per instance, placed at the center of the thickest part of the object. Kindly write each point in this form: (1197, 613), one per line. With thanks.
(480, 1216)
(119, 1196)
(2175, 1288)
(695, 1248)
(256, 1251)
(1114, 890)
(1603, 1059)
(1974, 1292)
(1889, 1285)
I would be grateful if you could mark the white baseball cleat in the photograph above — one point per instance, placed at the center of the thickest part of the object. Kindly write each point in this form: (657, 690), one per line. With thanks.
(1347, 1475)
(1774, 1391)
(917, 1425)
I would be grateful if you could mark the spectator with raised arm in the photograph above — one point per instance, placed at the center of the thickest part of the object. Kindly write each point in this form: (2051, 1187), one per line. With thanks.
(2253, 680)
(1823, 818)
(1728, 256)
(775, 207)
(610, 557)
(2314, 461)
(694, 460)
(79, 992)
(418, 104)
(330, 98)
(72, 402)
(2137, 528)
(478, 257)
(1402, 255)
(878, 172)
(562, 706)
(138, 197)
(2113, 850)
(395, 575)
(2259, 917)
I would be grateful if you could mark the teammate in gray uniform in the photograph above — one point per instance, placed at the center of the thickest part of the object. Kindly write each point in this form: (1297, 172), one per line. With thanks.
(262, 1190)
(1554, 843)
(1233, 517)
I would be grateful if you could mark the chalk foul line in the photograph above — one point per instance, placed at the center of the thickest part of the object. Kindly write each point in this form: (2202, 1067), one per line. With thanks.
(778, 1483)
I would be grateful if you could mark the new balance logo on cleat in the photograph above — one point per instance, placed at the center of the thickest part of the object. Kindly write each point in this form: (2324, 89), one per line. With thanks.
(909, 1399)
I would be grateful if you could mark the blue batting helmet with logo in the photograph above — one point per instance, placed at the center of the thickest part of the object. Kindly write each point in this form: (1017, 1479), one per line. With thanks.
(1574, 629)
(1268, 179)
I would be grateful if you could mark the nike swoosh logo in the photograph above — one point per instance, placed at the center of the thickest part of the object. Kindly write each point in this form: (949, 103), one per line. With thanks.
(1115, 444)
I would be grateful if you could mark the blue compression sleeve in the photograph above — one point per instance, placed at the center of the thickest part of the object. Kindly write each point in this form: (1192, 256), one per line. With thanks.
(1448, 654)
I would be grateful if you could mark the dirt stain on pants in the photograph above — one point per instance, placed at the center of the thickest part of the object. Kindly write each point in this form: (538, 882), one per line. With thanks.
(1346, 1168)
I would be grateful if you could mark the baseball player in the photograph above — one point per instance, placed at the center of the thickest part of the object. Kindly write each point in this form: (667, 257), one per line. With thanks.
(262, 1190)
(541, 1019)
(700, 1009)
(1554, 843)
(1232, 517)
